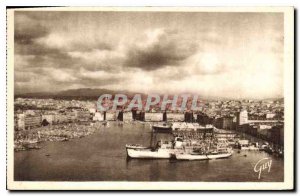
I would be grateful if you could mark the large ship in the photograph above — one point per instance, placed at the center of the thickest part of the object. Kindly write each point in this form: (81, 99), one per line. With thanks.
(206, 151)
(187, 145)
(163, 150)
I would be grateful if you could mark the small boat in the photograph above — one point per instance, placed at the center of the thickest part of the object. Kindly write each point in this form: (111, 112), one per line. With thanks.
(221, 151)
(65, 139)
(219, 155)
(32, 147)
(264, 146)
(201, 156)
(245, 145)
(253, 147)
(231, 142)
(269, 150)
(280, 153)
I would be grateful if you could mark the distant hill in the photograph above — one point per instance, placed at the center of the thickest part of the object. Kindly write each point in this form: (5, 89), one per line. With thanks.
(84, 92)
(94, 93)
(79, 94)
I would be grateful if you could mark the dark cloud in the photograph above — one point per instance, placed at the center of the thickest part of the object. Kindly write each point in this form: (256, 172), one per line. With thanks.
(30, 32)
(36, 49)
(27, 35)
(167, 50)
(45, 57)
(26, 44)
(27, 30)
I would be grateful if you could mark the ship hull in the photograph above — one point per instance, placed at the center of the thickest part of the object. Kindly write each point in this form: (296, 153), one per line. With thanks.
(148, 153)
(219, 156)
(190, 157)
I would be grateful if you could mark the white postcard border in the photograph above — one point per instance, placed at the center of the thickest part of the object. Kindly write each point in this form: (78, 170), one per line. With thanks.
(121, 185)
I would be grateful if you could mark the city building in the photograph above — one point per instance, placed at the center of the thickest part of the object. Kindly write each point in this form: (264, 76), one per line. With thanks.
(83, 115)
(98, 117)
(204, 119)
(153, 116)
(111, 116)
(21, 121)
(270, 115)
(227, 122)
(31, 121)
(175, 116)
(127, 116)
(242, 117)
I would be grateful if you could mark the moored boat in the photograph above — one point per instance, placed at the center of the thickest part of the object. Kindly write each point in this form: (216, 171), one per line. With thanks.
(220, 151)
(251, 147)
(219, 155)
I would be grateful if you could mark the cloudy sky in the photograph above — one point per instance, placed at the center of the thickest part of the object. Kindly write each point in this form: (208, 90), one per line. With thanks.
(233, 55)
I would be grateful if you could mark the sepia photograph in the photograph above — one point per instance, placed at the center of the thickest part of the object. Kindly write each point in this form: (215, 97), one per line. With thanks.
(150, 98)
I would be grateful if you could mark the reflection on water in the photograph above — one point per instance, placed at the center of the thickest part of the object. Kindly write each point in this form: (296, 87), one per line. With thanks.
(102, 157)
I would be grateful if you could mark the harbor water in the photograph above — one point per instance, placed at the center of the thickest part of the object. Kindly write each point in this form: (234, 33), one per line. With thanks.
(102, 157)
